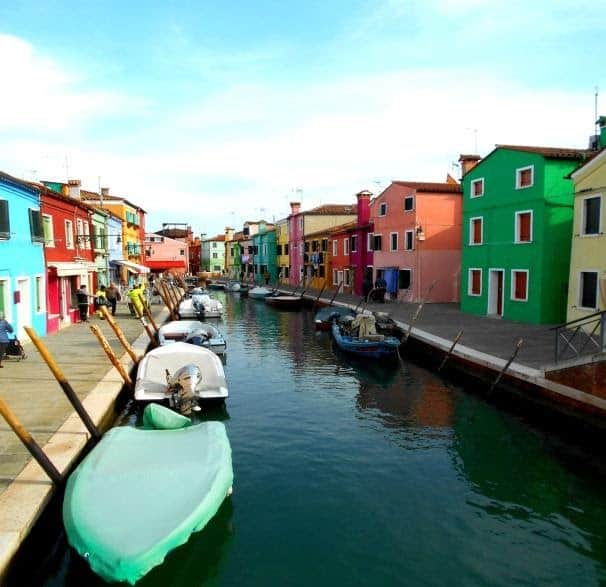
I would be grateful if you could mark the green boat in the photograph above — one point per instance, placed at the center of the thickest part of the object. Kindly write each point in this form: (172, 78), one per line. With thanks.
(142, 492)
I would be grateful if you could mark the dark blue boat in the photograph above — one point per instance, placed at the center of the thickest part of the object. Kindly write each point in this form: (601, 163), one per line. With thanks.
(374, 346)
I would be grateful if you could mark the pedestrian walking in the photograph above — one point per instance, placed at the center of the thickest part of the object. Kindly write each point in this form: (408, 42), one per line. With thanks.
(5, 328)
(82, 300)
(100, 301)
(134, 295)
(113, 296)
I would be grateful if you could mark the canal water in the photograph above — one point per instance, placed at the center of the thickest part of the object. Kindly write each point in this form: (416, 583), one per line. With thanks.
(346, 475)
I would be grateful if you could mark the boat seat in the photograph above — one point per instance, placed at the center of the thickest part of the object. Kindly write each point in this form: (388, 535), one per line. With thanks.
(374, 337)
(175, 336)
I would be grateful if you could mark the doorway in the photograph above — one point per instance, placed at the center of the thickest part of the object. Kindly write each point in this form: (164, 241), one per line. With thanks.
(495, 292)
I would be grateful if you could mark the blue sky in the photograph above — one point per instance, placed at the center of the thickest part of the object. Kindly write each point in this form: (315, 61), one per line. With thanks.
(214, 113)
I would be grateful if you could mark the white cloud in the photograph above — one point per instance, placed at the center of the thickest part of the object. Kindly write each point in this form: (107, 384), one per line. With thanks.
(43, 95)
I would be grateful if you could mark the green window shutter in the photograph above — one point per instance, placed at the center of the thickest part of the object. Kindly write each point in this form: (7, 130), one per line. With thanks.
(5, 226)
(35, 226)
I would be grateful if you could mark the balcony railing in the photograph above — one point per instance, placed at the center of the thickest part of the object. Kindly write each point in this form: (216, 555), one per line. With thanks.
(581, 337)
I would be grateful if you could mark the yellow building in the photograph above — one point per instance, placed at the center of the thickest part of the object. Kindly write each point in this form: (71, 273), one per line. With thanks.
(587, 282)
(133, 232)
(282, 260)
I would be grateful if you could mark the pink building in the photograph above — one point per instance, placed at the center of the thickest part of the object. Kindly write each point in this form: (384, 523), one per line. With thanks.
(295, 243)
(417, 240)
(164, 254)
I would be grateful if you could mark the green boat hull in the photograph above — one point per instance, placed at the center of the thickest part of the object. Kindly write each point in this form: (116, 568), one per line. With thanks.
(141, 493)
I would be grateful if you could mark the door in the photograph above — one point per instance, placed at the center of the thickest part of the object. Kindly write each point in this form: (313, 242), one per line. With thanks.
(495, 292)
(24, 308)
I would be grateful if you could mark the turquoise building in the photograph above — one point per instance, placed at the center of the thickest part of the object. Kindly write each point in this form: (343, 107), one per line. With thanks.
(22, 268)
(265, 254)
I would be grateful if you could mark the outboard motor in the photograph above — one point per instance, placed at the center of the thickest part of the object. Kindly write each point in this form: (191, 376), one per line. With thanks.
(182, 388)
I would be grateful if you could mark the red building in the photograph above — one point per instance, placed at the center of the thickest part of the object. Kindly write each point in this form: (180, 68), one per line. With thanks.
(68, 252)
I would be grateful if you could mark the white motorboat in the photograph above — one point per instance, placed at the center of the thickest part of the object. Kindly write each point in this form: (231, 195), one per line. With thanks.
(206, 306)
(187, 310)
(259, 292)
(233, 286)
(159, 365)
(193, 332)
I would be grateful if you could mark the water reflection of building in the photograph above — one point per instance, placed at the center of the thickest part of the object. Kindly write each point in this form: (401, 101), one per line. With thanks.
(406, 395)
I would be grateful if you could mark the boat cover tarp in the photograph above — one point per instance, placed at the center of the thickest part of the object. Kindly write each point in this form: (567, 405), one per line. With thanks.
(365, 324)
(141, 493)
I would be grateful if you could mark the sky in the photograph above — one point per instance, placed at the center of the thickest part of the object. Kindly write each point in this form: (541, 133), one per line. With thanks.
(215, 113)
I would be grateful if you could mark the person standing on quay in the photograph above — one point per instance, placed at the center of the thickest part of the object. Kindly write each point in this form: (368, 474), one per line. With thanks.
(135, 298)
(5, 328)
(113, 296)
(82, 299)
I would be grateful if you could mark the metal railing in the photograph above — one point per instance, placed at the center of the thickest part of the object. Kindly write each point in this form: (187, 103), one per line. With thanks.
(581, 337)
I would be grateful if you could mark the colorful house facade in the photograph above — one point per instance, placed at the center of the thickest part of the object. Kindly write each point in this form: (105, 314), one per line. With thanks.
(361, 255)
(22, 275)
(587, 280)
(316, 265)
(338, 261)
(309, 222)
(517, 222)
(69, 250)
(166, 255)
(282, 260)
(213, 254)
(264, 247)
(416, 240)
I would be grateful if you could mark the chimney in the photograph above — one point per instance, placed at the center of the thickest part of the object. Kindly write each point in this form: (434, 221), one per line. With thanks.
(295, 207)
(105, 192)
(73, 186)
(468, 162)
(229, 233)
(363, 206)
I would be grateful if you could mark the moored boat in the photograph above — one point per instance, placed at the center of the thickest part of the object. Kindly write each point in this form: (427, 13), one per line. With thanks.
(359, 337)
(323, 318)
(259, 292)
(193, 332)
(141, 493)
(207, 306)
(233, 286)
(285, 302)
(158, 367)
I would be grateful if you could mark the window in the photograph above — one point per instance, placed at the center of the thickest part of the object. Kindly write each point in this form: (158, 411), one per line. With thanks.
(475, 231)
(35, 226)
(335, 277)
(519, 285)
(278, 249)
(404, 278)
(5, 226)
(47, 228)
(286, 249)
(474, 282)
(524, 177)
(216, 267)
(69, 234)
(182, 252)
(369, 241)
(477, 187)
(215, 256)
(354, 244)
(409, 203)
(393, 238)
(264, 250)
(588, 290)
(346, 278)
(377, 242)
(383, 209)
(86, 233)
(591, 215)
(301, 223)
(346, 246)
(335, 248)
(324, 244)
(523, 229)
(408, 240)
(214, 245)
(79, 232)
(39, 293)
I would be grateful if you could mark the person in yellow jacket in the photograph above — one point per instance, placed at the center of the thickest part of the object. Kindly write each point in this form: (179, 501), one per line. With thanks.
(100, 300)
(134, 295)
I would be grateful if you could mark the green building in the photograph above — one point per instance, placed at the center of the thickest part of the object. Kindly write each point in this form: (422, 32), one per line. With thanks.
(265, 254)
(517, 232)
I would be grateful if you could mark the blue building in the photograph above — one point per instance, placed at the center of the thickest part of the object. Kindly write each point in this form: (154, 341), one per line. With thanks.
(22, 268)
(265, 254)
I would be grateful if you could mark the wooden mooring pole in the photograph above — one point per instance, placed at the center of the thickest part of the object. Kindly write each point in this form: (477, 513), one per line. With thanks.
(119, 334)
(167, 302)
(65, 385)
(452, 346)
(335, 294)
(112, 356)
(502, 372)
(32, 446)
(418, 311)
(319, 296)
